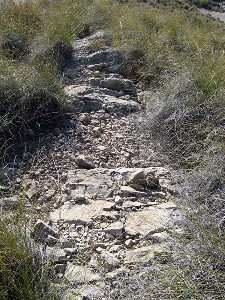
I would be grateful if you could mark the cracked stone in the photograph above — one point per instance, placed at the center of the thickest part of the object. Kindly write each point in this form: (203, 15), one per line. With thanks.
(82, 214)
(127, 191)
(81, 274)
(115, 229)
(42, 231)
(147, 221)
(144, 254)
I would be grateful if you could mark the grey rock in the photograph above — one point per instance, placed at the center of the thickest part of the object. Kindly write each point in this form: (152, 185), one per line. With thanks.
(116, 248)
(31, 189)
(108, 56)
(115, 229)
(137, 177)
(160, 237)
(78, 90)
(109, 259)
(118, 200)
(119, 106)
(118, 84)
(56, 255)
(78, 198)
(98, 67)
(116, 273)
(99, 181)
(90, 292)
(129, 243)
(147, 221)
(51, 240)
(60, 268)
(80, 274)
(144, 254)
(167, 205)
(127, 191)
(42, 231)
(132, 204)
(84, 162)
(81, 214)
(85, 98)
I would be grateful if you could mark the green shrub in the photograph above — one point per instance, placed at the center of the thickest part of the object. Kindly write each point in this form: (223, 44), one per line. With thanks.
(30, 98)
(22, 18)
(22, 275)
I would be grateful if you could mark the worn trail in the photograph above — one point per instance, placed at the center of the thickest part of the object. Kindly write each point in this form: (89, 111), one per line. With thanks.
(104, 194)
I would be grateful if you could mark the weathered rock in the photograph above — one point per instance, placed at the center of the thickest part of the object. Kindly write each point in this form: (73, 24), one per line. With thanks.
(81, 214)
(78, 90)
(31, 189)
(160, 237)
(118, 200)
(143, 254)
(132, 204)
(115, 273)
(51, 240)
(80, 274)
(42, 231)
(99, 181)
(115, 229)
(90, 292)
(119, 84)
(84, 162)
(78, 198)
(104, 100)
(147, 221)
(120, 106)
(56, 255)
(167, 205)
(116, 248)
(87, 41)
(127, 191)
(109, 259)
(137, 177)
(109, 56)
(129, 243)
(94, 182)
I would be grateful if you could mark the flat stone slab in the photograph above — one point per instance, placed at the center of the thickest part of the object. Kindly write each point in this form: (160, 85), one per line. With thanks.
(86, 99)
(81, 214)
(98, 182)
(147, 221)
(81, 274)
(143, 254)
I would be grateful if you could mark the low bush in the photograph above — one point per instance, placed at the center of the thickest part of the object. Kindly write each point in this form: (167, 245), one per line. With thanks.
(22, 272)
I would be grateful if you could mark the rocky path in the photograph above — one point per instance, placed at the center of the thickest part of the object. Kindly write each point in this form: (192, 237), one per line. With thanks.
(105, 197)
